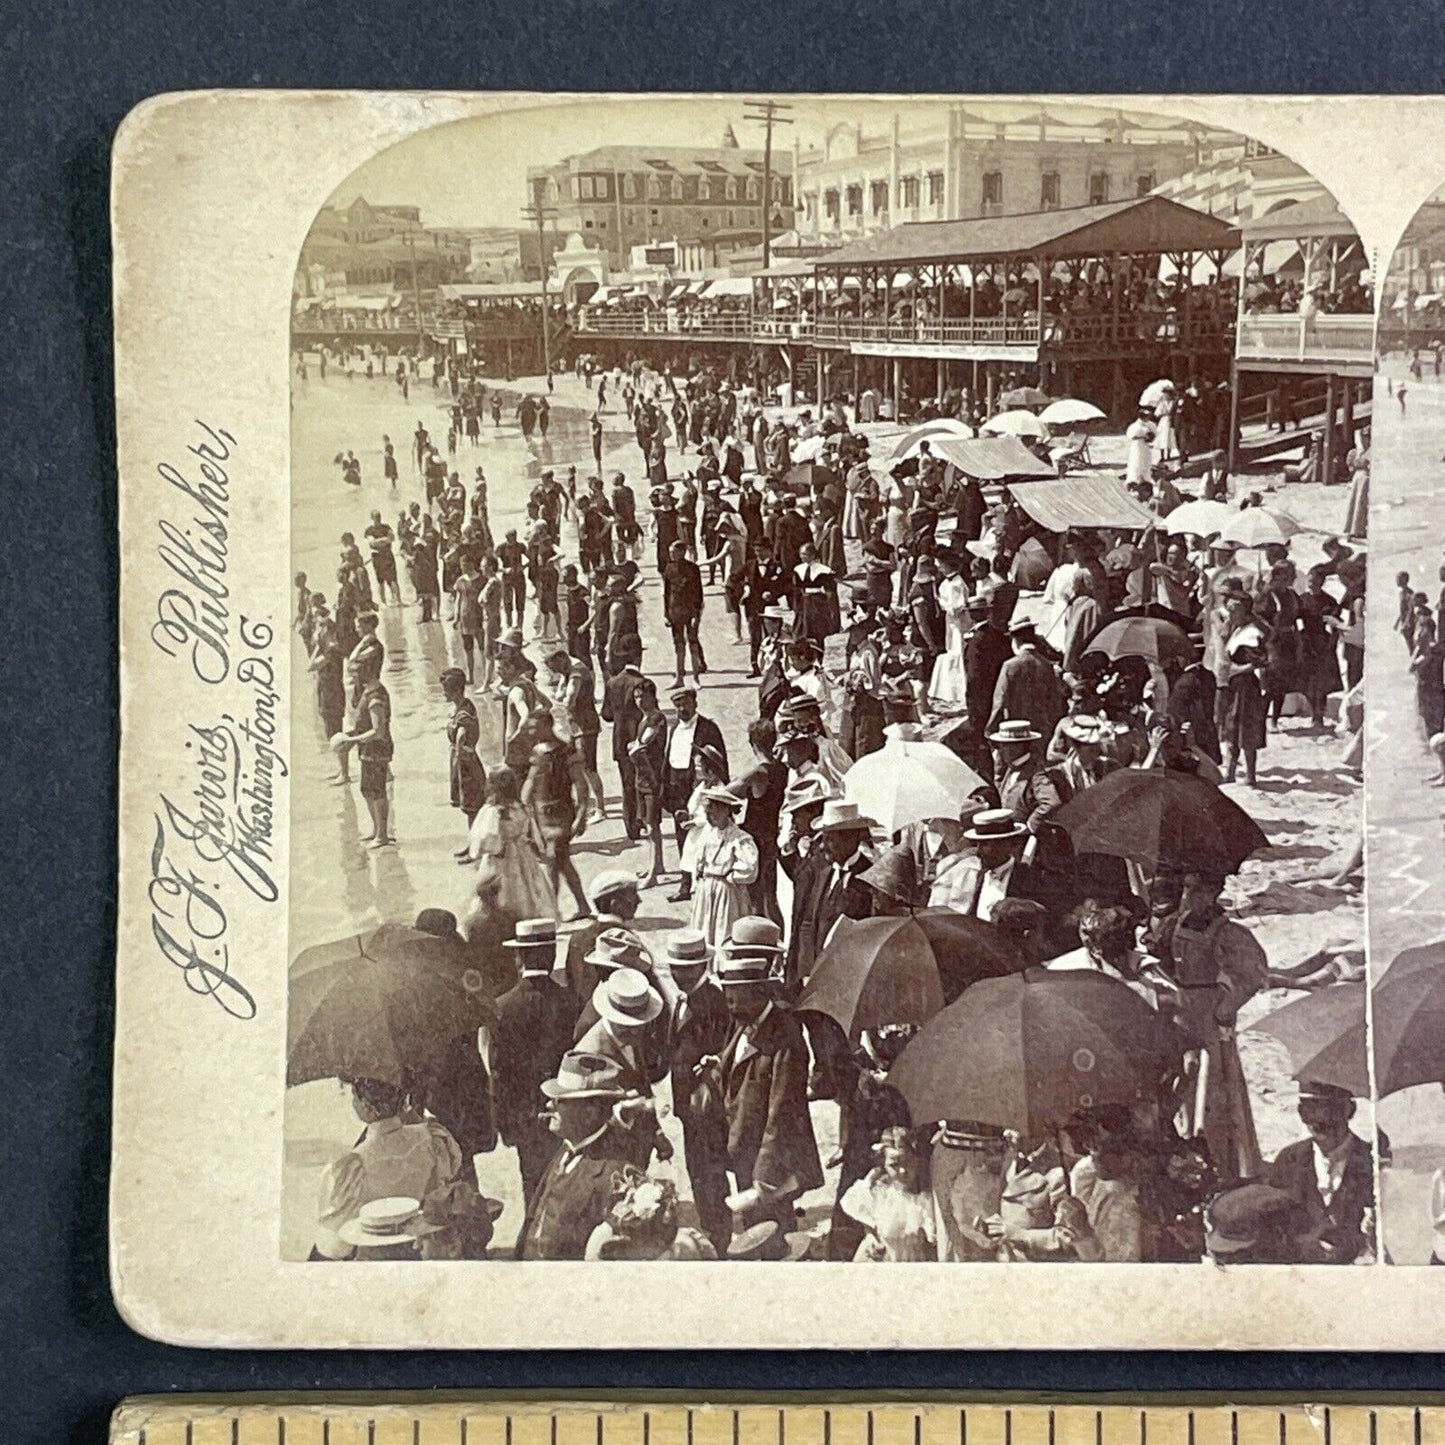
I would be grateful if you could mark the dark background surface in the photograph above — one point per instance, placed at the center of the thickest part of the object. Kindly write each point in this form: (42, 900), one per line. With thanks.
(74, 70)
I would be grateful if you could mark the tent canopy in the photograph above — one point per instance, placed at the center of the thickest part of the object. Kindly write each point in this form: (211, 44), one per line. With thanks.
(1316, 217)
(990, 459)
(1081, 501)
(1148, 225)
(491, 290)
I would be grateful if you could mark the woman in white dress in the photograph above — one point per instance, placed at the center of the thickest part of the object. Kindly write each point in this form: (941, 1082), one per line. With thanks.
(726, 864)
(893, 1204)
(1140, 436)
(899, 497)
(500, 844)
(711, 774)
(947, 685)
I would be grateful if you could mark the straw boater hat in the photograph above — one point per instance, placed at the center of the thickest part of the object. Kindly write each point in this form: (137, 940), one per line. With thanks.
(1086, 727)
(384, 1223)
(767, 1242)
(993, 825)
(809, 791)
(619, 948)
(840, 816)
(585, 1076)
(688, 946)
(625, 997)
(511, 637)
(1015, 730)
(536, 941)
(723, 796)
(680, 692)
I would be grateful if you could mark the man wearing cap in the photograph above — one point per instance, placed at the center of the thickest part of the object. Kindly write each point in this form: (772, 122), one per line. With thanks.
(682, 607)
(698, 1029)
(1331, 1176)
(763, 1075)
(687, 734)
(1253, 1224)
(619, 707)
(533, 1030)
(629, 1029)
(615, 900)
(1027, 687)
(577, 1187)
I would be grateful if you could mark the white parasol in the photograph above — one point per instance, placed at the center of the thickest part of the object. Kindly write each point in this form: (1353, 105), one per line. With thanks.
(1068, 411)
(1015, 424)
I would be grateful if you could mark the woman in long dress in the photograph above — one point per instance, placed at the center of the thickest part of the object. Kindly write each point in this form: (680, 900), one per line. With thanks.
(726, 864)
(899, 497)
(1319, 629)
(947, 685)
(1140, 436)
(500, 844)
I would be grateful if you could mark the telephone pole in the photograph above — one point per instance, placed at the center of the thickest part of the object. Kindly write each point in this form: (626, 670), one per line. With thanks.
(768, 113)
(539, 213)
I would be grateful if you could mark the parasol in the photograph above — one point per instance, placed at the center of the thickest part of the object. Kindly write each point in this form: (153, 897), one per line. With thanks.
(1024, 396)
(1156, 392)
(1201, 518)
(1153, 638)
(1408, 1020)
(1014, 424)
(909, 780)
(1029, 1051)
(809, 449)
(383, 1005)
(1259, 527)
(1324, 1035)
(940, 427)
(1161, 818)
(903, 970)
(1068, 411)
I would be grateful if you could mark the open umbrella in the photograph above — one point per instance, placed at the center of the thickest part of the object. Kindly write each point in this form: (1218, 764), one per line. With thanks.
(1068, 411)
(1014, 424)
(1150, 637)
(383, 1005)
(1201, 517)
(1259, 527)
(1324, 1035)
(1161, 818)
(1028, 1051)
(1024, 396)
(1408, 1017)
(909, 780)
(943, 426)
(809, 449)
(903, 970)
(1156, 391)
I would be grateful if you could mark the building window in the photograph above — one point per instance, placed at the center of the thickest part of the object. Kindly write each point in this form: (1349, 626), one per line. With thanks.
(732, 188)
(654, 189)
(629, 187)
(810, 205)
(878, 197)
(677, 188)
(704, 191)
(752, 189)
(908, 192)
(652, 215)
(1098, 188)
(576, 187)
(993, 188)
(1049, 191)
(777, 188)
(1144, 184)
(585, 185)
(587, 225)
(935, 188)
(830, 205)
(855, 200)
(729, 220)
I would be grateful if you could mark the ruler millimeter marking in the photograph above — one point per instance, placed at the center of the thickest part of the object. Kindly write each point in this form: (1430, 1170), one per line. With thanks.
(441, 1419)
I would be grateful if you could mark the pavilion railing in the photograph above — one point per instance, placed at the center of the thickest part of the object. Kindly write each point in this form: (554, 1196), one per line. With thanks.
(1267, 336)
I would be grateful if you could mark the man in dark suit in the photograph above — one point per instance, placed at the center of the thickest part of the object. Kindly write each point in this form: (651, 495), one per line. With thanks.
(985, 650)
(576, 1189)
(763, 1076)
(1331, 1174)
(1027, 687)
(682, 607)
(698, 1030)
(533, 1031)
(619, 707)
(688, 734)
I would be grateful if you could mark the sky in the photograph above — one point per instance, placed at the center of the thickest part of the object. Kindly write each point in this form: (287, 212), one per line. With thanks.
(473, 172)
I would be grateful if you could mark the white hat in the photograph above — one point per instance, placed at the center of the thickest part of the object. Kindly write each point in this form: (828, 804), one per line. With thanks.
(386, 1222)
(625, 997)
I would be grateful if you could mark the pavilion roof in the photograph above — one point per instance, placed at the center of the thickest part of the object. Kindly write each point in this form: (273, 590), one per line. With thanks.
(1143, 226)
(1318, 216)
(1081, 501)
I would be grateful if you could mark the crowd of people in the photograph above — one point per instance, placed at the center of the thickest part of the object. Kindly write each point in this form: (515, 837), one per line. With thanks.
(881, 605)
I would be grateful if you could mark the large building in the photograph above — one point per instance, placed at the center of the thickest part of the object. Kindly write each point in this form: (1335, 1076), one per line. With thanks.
(709, 199)
(968, 165)
(377, 247)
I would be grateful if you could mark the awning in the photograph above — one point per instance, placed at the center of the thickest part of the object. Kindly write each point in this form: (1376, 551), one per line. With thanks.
(990, 459)
(1081, 501)
(731, 286)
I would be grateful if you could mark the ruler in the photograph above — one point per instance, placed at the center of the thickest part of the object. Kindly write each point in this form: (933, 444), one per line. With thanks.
(455, 1419)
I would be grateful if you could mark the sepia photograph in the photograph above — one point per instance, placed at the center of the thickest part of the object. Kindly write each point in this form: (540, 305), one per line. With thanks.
(1405, 752)
(827, 659)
